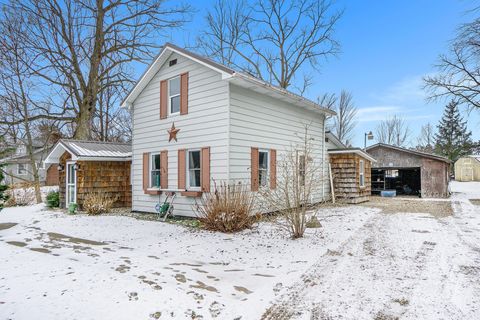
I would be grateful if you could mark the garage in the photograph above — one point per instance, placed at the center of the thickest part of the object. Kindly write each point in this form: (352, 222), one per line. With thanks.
(409, 172)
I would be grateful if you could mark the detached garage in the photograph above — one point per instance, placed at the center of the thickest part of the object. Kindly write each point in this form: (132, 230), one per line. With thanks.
(409, 172)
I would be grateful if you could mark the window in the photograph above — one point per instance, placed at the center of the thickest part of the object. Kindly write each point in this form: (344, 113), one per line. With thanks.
(174, 95)
(362, 173)
(301, 169)
(263, 168)
(193, 169)
(155, 170)
(41, 165)
(21, 169)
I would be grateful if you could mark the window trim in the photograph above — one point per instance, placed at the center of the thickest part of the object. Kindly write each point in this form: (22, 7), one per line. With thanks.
(187, 168)
(267, 180)
(169, 107)
(24, 168)
(150, 170)
(362, 174)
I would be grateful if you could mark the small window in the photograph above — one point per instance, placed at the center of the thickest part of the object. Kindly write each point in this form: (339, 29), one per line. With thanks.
(362, 173)
(21, 169)
(172, 62)
(155, 170)
(193, 169)
(263, 168)
(301, 169)
(174, 95)
(41, 165)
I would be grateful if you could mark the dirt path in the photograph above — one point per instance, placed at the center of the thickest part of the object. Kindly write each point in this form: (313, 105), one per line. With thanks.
(405, 265)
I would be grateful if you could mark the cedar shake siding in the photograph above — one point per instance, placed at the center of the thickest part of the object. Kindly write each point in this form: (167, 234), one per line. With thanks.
(108, 177)
(346, 178)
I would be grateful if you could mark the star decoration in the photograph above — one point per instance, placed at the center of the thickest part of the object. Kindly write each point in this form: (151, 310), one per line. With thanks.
(173, 133)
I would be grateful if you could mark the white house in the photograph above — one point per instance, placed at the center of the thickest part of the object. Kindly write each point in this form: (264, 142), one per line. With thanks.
(196, 121)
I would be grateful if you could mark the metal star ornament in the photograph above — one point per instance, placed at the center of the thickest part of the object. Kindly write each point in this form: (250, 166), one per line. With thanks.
(173, 133)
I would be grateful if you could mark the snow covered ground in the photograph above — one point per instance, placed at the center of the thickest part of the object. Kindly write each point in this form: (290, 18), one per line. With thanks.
(364, 264)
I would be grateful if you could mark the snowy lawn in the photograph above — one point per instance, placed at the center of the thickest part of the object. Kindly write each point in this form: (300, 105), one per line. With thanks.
(364, 264)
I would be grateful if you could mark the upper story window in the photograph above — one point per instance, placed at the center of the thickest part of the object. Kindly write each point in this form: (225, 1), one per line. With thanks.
(155, 170)
(362, 173)
(21, 169)
(174, 95)
(263, 168)
(193, 169)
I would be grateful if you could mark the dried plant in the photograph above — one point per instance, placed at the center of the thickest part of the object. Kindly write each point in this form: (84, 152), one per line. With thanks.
(300, 178)
(98, 202)
(230, 208)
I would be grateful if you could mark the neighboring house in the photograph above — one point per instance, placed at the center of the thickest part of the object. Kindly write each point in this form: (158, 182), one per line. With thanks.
(18, 168)
(468, 168)
(409, 172)
(92, 167)
(196, 122)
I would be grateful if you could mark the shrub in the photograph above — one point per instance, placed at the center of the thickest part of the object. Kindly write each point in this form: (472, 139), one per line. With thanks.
(229, 208)
(53, 199)
(3, 188)
(97, 202)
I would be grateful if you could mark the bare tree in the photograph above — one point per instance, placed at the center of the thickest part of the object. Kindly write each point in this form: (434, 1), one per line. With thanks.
(344, 122)
(78, 44)
(274, 40)
(458, 74)
(16, 98)
(299, 178)
(393, 131)
(426, 139)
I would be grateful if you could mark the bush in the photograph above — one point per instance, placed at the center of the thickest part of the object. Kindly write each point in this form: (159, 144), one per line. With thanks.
(96, 203)
(3, 188)
(229, 208)
(53, 199)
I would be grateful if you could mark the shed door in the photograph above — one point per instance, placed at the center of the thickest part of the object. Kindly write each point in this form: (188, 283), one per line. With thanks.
(71, 184)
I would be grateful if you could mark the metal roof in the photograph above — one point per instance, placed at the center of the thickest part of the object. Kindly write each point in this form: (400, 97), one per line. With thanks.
(91, 150)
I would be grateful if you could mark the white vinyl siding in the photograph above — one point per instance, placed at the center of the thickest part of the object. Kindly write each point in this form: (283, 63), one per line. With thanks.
(205, 125)
(21, 169)
(257, 120)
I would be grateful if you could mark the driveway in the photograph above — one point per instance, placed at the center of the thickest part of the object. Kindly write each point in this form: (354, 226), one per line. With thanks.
(397, 266)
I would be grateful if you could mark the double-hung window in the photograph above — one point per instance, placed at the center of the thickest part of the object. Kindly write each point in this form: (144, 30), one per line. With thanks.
(301, 169)
(193, 169)
(155, 170)
(362, 173)
(174, 95)
(263, 168)
(21, 169)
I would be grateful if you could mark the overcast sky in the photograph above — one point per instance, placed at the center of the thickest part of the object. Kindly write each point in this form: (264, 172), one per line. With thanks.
(387, 47)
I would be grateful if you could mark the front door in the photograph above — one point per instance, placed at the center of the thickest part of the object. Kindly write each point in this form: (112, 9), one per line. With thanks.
(71, 185)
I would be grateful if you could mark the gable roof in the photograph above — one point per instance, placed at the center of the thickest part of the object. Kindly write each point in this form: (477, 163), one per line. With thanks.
(227, 73)
(334, 140)
(90, 150)
(414, 152)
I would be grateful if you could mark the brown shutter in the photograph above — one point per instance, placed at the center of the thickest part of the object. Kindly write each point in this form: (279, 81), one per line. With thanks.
(163, 99)
(145, 171)
(254, 170)
(205, 169)
(164, 169)
(184, 93)
(273, 169)
(181, 169)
